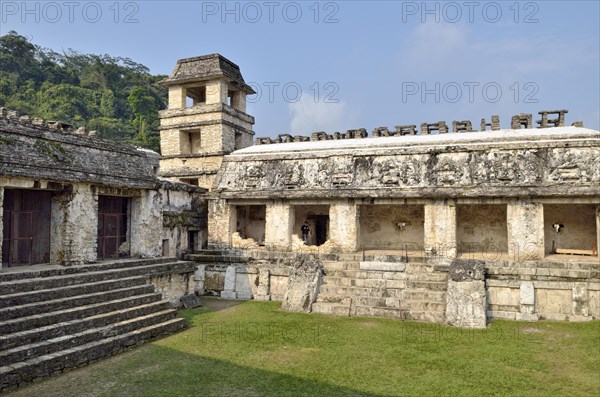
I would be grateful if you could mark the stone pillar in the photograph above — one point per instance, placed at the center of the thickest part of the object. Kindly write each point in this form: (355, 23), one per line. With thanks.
(199, 277)
(177, 97)
(598, 231)
(220, 221)
(525, 220)
(581, 302)
(344, 225)
(146, 225)
(279, 221)
(229, 288)
(74, 226)
(440, 229)
(1, 222)
(263, 292)
(465, 298)
(216, 92)
(527, 301)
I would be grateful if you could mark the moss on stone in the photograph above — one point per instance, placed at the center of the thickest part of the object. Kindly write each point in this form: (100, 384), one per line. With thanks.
(53, 150)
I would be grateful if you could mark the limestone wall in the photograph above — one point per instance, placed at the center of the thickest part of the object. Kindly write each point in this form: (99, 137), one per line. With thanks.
(173, 286)
(146, 224)
(579, 230)
(74, 226)
(481, 228)
(392, 226)
(525, 229)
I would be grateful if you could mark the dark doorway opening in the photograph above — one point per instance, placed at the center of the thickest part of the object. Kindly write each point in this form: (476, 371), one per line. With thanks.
(192, 241)
(321, 222)
(26, 226)
(113, 227)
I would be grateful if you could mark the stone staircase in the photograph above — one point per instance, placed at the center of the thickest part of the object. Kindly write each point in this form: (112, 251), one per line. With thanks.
(61, 318)
(408, 291)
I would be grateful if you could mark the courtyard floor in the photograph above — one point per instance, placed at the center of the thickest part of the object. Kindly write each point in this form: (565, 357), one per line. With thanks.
(251, 348)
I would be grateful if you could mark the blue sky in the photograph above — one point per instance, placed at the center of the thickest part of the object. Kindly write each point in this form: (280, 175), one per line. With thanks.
(337, 65)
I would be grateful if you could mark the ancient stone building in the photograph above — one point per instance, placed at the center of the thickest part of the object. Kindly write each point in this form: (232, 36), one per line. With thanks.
(90, 239)
(206, 118)
(400, 218)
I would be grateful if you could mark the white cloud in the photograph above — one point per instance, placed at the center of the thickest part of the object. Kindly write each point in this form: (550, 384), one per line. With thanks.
(308, 116)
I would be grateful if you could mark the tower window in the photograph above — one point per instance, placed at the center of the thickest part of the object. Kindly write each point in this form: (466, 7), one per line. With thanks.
(191, 142)
(195, 96)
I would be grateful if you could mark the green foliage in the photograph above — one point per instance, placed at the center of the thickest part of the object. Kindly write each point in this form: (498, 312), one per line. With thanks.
(115, 96)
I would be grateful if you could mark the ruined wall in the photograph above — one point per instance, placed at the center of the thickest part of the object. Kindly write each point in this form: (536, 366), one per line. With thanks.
(74, 226)
(279, 224)
(481, 228)
(548, 162)
(579, 231)
(220, 223)
(184, 210)
(146, 224)
(173, 286)
(392, 227)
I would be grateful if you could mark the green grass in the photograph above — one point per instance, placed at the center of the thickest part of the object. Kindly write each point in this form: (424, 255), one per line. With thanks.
(254, 349)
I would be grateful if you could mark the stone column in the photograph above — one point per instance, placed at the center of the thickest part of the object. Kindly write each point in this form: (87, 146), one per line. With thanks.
(229, 288)
(465, 298)
(263, 292)
(598, 231)
(74, 226)
(199, 277)
(146, 225)
(344, 225)
(440, 229)
(220, 219)
(279, 221)
(1, 222)
(525, 220)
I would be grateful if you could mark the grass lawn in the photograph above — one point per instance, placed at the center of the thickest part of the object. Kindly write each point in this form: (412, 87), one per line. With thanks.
(254, 349)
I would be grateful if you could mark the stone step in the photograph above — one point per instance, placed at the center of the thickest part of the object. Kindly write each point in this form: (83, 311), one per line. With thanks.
(56, 281)
(431, 296)
(414, 282)
(386, 275)
(28, 351)
(31, 309)
(22, 298)
(55, 330)
(384, 312)
(392, 303)
(215, 259)
(50, 364)
(35, 272)
(39, 320)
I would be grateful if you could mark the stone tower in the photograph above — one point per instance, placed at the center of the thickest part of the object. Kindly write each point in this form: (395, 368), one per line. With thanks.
(205, 119)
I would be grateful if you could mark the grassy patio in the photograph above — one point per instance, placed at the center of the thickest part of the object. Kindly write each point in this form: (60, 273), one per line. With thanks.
(254, 349)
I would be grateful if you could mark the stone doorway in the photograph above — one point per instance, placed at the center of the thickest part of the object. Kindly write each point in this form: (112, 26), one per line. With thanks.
(26, 227)
(113, 227)
(318, 220)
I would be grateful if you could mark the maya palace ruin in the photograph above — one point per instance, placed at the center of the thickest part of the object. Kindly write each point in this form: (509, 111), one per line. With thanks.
(455, 223)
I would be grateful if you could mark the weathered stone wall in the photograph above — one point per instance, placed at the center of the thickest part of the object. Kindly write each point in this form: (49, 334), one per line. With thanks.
(220, 224)
(173, 286)
(440, 229)
(392, 226)
(525, 229)
(344, 223)
(74, 226)
(146, 224)
(278, 223)
(579, 230)
(481, 228)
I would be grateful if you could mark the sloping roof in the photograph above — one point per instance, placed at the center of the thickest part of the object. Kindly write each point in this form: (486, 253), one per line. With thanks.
(206, 67)
(30, 151)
